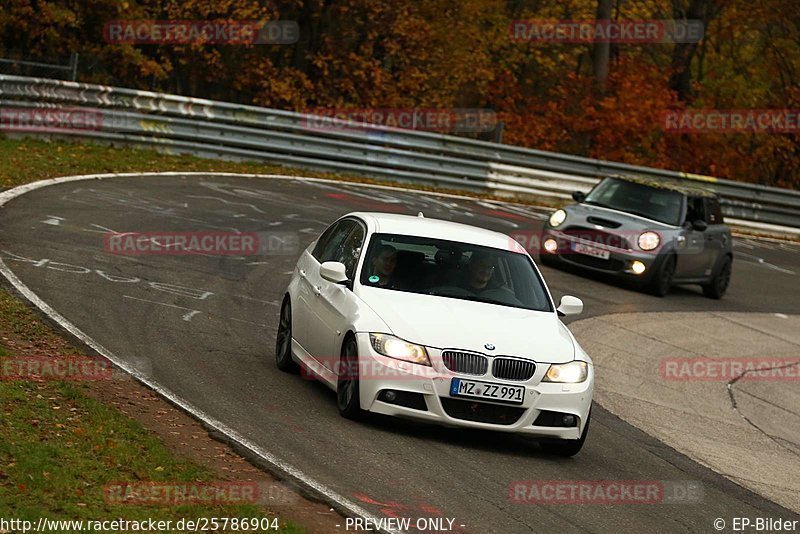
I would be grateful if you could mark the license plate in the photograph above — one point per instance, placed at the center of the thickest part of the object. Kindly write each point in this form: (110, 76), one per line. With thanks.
(580, 248)
(474, 389)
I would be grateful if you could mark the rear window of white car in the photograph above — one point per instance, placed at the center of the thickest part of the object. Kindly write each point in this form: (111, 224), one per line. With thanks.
(454, 270)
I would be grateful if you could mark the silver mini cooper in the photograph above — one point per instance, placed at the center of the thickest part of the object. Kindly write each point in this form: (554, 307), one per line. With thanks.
(658, 234)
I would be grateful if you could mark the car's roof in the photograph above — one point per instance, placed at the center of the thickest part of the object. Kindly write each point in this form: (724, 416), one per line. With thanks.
(392, 223)
(686, 189)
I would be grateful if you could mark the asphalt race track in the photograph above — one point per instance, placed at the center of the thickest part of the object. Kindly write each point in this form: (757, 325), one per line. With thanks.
(204, 327)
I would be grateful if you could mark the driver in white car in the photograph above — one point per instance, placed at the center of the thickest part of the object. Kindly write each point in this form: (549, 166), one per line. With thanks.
(383, 265)
(479, 272)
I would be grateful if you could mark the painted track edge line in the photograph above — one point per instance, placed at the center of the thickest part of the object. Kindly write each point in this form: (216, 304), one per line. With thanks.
(283, 467)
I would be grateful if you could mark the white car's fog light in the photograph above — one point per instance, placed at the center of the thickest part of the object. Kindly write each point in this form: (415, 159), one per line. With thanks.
(394, 347)
(567, 373)
(638, 267)
(550, 245)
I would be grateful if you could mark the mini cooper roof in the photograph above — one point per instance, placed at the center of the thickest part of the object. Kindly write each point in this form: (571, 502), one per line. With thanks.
(685, 189)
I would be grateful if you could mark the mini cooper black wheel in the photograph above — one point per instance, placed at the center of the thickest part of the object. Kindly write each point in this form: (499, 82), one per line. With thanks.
(662, 280)
(719, 284)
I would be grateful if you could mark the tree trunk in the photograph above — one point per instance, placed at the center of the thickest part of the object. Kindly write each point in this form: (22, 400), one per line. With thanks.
(601, 50)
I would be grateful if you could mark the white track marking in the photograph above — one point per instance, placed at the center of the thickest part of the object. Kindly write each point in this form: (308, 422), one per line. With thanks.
(224, 201)
(53, 220)
(187, 317)
(248, 322)
(760, 261)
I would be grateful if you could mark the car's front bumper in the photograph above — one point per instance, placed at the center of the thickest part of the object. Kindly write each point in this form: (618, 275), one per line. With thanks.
(379, 373)
(619, 263)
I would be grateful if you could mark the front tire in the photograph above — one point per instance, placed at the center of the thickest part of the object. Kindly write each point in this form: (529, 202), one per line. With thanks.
(662, 280)
(283, 341)
(719, 284)
(567, 447)
(348, 394)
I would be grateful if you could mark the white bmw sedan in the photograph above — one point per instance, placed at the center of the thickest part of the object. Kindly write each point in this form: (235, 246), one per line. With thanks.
(439, 322)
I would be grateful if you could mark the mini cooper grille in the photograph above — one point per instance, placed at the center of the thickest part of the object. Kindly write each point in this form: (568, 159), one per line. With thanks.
(465, 362)
(511, 369)
(599, 237)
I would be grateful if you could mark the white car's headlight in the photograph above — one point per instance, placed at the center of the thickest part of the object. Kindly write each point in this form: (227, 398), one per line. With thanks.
(649, 240)
(558, 217)
(394, 347)
(567, 373)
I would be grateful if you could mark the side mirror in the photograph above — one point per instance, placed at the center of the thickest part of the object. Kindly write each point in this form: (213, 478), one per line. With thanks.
(578, 196)
(700, 225)
(569, 305)
(333, 271)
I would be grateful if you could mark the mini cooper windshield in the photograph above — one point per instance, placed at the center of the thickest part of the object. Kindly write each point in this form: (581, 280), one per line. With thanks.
(661, 205)
(455, 270)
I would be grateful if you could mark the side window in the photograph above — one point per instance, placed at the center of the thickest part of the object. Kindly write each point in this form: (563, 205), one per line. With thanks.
(713, 211)
(351, 250)
(329, 245)
(694, 209)
(322, 241)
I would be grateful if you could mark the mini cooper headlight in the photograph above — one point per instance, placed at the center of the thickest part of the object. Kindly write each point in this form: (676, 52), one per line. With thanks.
(649, 240)
(567, 373)
(558, 217)
(394, 347)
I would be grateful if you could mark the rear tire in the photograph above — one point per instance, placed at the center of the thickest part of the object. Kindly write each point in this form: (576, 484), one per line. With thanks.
(348, 395)
(283, 341)
(719, 284)
(662, 280)
(567, 447)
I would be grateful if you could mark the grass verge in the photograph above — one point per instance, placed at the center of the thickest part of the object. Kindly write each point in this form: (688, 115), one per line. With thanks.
(60, 447)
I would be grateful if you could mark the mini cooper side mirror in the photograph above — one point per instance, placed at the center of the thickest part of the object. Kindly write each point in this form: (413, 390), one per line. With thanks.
(333, 271)
(699, 225)
(569, 305)
(578, 196)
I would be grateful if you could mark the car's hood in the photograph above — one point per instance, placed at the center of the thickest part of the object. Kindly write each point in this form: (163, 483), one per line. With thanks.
(443, 322)
(577, 214)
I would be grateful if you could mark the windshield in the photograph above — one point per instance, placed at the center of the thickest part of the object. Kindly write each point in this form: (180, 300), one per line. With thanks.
(661, 205)
(455, 270)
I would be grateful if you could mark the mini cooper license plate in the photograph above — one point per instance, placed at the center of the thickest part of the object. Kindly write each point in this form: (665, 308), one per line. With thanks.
(474, 389)
(580, 248)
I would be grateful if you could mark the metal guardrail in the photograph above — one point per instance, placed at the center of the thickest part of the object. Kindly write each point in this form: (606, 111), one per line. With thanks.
(220, 129)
